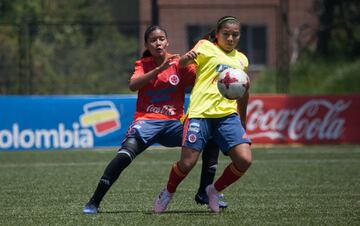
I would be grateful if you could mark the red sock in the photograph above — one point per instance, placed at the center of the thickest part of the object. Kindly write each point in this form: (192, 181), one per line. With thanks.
(229, 176)
(175, 178)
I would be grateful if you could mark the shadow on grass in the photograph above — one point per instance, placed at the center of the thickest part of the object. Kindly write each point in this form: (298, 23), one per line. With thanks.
(171, 212)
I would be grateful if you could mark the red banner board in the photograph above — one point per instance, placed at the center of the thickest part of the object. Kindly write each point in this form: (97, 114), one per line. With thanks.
(283, 119)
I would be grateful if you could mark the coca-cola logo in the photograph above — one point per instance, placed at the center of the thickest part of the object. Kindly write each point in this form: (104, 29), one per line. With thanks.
(165, 109)
(315, 119)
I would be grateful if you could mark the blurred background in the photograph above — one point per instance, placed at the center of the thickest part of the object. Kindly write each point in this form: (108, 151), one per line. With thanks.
(89, 47)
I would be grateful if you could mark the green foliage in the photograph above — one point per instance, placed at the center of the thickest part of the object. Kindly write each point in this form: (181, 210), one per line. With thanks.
(264, 82)
(8, 66)
(312, 185)
(339, 29)
(63, 47)
(72, 65)
(314, 76)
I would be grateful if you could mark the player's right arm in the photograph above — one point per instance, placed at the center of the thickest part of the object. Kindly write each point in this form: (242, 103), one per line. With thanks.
(140, 78)
(188, 58)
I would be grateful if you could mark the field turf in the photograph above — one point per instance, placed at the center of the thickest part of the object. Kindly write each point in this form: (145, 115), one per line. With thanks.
(310, 185)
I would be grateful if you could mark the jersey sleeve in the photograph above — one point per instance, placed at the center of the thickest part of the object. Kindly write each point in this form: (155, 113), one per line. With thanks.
(244, 61)
(201, 48)
(138, 70)
(188, 73)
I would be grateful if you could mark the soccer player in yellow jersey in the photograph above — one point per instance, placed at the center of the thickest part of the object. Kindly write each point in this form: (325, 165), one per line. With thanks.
(212, 115)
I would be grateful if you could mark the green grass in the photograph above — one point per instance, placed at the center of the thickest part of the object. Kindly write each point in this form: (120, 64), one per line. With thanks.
(317, 185)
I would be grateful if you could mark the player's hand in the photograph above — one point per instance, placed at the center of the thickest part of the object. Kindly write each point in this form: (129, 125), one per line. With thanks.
(188, 58)
(169, 60)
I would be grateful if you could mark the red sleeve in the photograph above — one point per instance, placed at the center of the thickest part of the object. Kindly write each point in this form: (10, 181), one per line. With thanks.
(189, 74)
(139, 69)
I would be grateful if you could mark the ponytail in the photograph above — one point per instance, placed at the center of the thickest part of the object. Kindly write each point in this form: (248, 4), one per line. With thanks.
(146, 53)
(210, 36)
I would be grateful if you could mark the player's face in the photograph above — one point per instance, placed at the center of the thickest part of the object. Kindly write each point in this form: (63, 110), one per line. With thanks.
(157, 43)
(228, 36)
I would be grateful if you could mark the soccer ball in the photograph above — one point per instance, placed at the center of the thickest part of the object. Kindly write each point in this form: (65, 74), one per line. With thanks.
(233, 83)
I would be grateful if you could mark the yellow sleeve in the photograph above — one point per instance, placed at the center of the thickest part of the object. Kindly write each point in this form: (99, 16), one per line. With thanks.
(201, 47)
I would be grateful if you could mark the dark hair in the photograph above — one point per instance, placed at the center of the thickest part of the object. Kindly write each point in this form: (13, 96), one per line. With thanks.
(147, 33)
(220, 24)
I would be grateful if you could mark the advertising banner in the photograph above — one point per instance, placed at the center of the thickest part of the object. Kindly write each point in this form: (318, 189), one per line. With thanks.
(283, 119)
(64, 122)
(72, 122)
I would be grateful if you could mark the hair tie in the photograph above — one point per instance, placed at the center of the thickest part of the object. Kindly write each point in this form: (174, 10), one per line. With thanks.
(226, 19)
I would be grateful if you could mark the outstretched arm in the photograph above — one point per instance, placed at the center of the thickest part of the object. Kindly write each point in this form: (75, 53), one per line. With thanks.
(188, 58)
(140, 81)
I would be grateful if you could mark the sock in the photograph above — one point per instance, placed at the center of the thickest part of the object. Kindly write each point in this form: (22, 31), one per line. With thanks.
(175, 178)
(229, 176)
(209, 164)
(111, 174)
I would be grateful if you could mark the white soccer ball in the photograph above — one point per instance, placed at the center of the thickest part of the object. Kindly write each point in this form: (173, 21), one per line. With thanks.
(233, 83)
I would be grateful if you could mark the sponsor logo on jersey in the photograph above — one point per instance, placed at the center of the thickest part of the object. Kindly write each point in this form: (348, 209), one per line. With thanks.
(194, 127)
(222, 67)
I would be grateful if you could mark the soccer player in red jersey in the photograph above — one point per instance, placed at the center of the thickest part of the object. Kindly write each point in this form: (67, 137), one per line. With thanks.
(160, 84)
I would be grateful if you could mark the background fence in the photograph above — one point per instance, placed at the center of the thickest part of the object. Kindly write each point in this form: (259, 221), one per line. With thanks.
(66, 58)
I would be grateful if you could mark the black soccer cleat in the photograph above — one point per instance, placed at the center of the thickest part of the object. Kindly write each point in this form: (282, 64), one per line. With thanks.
(91, 208)
(202, 199)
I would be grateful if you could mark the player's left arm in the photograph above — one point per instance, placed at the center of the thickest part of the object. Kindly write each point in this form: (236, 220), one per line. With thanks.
(242, 104)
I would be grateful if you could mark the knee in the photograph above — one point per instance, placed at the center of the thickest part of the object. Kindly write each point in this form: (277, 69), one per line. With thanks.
(242, 157)
(246, 156)
(247, 162)
(131, 147)
(186, 165)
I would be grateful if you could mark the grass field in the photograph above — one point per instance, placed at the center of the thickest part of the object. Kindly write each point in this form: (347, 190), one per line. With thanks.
(318, 185)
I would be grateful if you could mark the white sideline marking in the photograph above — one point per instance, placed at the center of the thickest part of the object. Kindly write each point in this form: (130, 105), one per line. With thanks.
(147, 162)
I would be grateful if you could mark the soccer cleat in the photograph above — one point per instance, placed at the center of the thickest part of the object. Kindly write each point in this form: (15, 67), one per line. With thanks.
(91, 208)
(162, 201)
(202, 199)
(213, 198)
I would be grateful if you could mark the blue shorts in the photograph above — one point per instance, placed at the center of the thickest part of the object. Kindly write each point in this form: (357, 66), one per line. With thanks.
(165, 132)
(227, 132)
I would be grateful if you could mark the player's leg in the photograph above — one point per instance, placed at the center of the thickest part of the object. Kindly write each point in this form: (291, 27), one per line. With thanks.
(129, 150)
(233, 141)
(171, 136)
(140, 135)
(241, 157)
(210, 156)
(177, 174)
(194, 139)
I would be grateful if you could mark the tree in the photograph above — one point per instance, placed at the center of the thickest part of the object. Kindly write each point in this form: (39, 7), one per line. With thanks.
(64, 47)
(339, 32)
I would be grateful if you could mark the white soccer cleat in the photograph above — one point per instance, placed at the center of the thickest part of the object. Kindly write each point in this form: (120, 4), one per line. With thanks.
(162, 201)
(213, 198)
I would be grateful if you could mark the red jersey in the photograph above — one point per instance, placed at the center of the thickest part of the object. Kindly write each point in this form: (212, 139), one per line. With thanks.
(163, 97)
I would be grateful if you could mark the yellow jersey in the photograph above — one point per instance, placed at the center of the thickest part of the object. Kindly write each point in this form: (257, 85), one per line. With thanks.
(205, 99)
